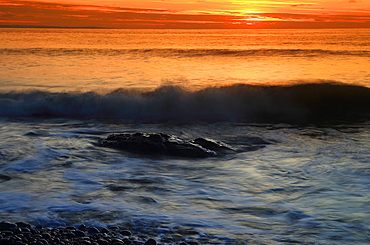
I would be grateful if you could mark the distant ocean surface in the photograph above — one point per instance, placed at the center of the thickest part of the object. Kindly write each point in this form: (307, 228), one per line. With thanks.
(296, 101)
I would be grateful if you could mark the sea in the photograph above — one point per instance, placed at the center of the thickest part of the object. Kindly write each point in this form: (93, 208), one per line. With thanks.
(294, 103)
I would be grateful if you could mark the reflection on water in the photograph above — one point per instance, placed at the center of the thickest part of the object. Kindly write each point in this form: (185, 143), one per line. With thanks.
(103, 60)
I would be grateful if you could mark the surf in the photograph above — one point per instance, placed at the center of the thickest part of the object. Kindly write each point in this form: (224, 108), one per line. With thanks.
(291, 103)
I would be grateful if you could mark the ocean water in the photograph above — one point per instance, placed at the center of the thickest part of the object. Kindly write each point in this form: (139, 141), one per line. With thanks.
(294, 102)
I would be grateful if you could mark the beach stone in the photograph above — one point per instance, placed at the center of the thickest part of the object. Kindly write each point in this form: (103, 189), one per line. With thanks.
(85, 242)
(104, 230)
(79, 233)
(17, 230)
(125, 233)
(69, 235)
(93, 230)
(103, 242)
(113, 227)
(113, 240)
(37, 243)
(127, 241)
(46, 235)
(19, 243)
(8, 233)
(5, 240)
(37, 236)
(82, 227)
(23, 225)
(118, 243)
(150, 242)
(6, 226)
(25, 230)
(44, 242)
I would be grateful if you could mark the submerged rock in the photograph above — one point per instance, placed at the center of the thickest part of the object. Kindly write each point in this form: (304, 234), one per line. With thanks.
(164, 144)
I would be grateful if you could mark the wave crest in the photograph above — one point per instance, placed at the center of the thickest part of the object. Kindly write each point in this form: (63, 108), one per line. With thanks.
(303, 102)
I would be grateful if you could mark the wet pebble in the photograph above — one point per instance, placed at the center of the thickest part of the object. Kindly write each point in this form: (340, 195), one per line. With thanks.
(22, 233)
(150, 242)
(93, 230)
(79, 233)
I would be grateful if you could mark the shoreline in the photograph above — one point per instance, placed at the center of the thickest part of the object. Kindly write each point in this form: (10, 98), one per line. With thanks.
(21, 233)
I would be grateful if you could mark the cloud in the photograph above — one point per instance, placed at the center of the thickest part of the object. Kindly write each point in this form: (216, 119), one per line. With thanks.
(43, 14)
(352, 1)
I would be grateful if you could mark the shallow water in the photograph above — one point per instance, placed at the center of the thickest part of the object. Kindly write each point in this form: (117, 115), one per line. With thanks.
(307, 184)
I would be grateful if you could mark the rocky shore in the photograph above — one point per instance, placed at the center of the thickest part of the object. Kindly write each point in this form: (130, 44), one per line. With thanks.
(21, 233)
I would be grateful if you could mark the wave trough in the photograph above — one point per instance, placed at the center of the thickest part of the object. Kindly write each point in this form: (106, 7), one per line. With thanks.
(173, 52)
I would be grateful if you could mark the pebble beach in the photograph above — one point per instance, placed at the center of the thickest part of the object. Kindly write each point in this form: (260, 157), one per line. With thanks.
(21, 233)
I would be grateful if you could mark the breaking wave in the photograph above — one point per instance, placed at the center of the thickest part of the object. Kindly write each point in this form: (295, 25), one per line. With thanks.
(305, 102)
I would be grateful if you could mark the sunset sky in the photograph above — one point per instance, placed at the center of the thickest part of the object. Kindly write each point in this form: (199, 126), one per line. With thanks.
(186, 13)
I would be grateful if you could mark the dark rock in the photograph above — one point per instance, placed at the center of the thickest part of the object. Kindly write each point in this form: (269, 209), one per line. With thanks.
(79, 233)
(8, 233)
(164, 144)
(150, 242)
(25, 230)
(37, 243)
(103, 242)
(19, 243)
(23, 225)
(69, 235)
(27, 234)
(104, 230)
(5, 241)
(113, 227)
(85, 242)
(114, 240)
(16, 230)
(93, 230)
(44, 241)
(118, 243)
(127, 242)
(46, 235)
(82, 227)
(31, 239)
(6, 226)
(125, 233)
(213, 145)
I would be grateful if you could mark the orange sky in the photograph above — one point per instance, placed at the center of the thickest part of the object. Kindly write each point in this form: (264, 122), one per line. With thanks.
(186, 13)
